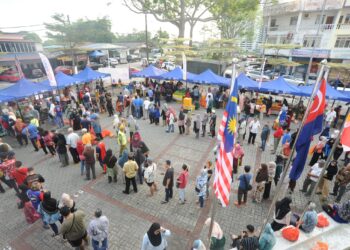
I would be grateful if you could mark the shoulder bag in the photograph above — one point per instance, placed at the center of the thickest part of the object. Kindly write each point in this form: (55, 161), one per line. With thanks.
(248, 186)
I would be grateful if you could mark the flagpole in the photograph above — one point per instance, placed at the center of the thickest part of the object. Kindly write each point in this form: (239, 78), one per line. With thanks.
(329, 158)
(262, 72)
(286, 168)
(214, 203)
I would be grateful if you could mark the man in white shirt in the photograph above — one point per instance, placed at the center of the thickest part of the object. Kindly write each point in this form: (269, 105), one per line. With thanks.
(254, 126)
(146, 104)
(330, 116)
(72, 140)
(312, 177)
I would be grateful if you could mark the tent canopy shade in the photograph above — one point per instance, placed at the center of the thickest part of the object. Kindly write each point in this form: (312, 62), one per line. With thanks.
(177, 75)
(88, 75)
(149, 72)
(24, 88)
(280, 85)
(331, 93)
(209, 77)
(96, 53)
(63, 81)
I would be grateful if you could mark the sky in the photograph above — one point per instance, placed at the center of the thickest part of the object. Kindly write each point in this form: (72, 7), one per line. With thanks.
(32, 12)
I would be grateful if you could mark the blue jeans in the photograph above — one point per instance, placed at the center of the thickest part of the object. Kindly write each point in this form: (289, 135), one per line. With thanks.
(201, 201)
(59, 121)
(170, 128)
(82, 167)
(263, 144)
(168, 193)
(137, 112)
(96, 244)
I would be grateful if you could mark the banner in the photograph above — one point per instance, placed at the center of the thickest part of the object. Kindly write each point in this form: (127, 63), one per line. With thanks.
(49, 72)
(19, 69)
(184, 67)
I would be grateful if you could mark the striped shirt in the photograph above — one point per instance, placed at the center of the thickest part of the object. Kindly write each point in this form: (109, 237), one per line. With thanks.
(250, 243)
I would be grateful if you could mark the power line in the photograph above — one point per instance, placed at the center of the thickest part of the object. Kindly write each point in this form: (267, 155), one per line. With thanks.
(25, 26)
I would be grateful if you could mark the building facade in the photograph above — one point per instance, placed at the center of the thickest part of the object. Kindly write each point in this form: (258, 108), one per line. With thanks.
(320, 27)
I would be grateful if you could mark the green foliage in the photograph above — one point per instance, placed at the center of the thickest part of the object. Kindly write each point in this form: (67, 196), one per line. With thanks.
(136, 36)
(235, 18)
(31, 36)
(160, 38)
(219, 49)
(282, 61)
(83, 30)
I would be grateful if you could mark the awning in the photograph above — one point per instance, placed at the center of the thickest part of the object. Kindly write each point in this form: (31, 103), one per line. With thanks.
(177, 75)
(209, 77)
(88, 75)
(149, 72)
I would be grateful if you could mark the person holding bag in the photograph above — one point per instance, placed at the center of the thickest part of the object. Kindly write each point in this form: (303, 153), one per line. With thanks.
(244, 186)
(181, 183)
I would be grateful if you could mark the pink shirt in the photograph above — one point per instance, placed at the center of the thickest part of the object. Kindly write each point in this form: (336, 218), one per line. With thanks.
(183, 178)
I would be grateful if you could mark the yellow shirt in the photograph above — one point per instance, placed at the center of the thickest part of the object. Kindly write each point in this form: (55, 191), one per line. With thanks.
(86, 138)
(130, 168)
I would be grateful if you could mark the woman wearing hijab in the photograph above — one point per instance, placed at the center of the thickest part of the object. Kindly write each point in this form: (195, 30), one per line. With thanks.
(217, 237)
(155, 238)
(61, 149)
(261, 178)
(238, 154)
(132, 128)
(67, 201)
(201, 187)
(267, 239)
(80, 150)
(48, 209)
(112, 171)
(282, 214)
(318, 151)
(135, 141)
(121, 161)
(101, 154)
(340, 213)
(196, 125)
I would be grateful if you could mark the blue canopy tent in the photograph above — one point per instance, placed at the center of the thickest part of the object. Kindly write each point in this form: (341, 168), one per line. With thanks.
(63, 81)
(96, 53)
(280, 85)
(177, 75)
(4, 98)
(88, 75)
(209, 77)
(149, 72)
(331, 93)
(24, 88)
(245, 82)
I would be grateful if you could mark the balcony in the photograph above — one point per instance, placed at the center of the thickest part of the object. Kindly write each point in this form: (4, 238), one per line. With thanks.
(280, 9)
(323, 27)
(273, 28)
(344, 26)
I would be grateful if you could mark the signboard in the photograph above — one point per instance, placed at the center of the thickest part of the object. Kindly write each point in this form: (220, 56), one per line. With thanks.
(317, 53)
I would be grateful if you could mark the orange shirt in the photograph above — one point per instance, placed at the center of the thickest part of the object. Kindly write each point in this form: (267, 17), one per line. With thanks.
(86, 138)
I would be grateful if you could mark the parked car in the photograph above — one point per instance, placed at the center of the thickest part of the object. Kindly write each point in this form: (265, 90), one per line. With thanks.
(95, 65)
(294, 80)
(37, 73)
(111, 61)
(168, 66)
(9, 76)
(312, 79)
(132, 58)
(256, 75)
(68, 70)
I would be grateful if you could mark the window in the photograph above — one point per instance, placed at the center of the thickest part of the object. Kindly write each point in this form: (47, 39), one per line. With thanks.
(347, 19)
(293, 20)
(311, 41)
(320, 20)
(273, 23)
(342, 42)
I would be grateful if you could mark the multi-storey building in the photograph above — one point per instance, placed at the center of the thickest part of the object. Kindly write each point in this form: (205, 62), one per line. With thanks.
(320, 27)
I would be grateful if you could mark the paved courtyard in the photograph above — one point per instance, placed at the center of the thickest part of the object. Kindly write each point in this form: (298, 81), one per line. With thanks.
(131, 215)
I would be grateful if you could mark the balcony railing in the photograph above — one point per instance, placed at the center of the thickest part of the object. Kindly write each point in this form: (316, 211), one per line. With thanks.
(323, 27)
(273, 28)
(344, 26)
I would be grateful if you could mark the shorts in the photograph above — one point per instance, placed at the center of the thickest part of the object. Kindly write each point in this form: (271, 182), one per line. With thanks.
(77, 243)
(149, 184)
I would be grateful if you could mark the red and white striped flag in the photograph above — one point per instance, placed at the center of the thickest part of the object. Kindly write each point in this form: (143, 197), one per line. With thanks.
(227, 131)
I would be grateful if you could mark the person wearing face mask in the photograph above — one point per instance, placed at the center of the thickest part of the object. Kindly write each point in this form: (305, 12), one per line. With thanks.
(155, 238)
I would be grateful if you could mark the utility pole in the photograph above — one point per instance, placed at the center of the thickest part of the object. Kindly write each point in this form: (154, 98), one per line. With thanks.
(313, 48)
(146, 30)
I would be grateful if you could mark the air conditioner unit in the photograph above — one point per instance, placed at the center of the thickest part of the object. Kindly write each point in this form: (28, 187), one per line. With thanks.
(306, 15)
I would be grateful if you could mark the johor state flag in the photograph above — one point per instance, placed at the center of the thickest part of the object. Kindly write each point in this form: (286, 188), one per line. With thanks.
(312, 126)
(345, 136)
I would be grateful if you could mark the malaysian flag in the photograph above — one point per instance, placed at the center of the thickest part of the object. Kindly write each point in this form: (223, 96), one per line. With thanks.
(226, 134)
(19, 69)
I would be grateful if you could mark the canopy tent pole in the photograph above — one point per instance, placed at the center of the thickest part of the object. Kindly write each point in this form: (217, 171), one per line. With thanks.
(19, 110)
(329, 158)
(286, 168)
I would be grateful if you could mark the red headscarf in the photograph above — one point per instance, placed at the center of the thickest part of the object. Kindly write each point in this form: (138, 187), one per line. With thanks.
(102, 147)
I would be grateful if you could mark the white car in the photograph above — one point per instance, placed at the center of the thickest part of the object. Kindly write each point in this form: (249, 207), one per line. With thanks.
(113, 61)
(256, 75)
(168, 66)
(294, 80)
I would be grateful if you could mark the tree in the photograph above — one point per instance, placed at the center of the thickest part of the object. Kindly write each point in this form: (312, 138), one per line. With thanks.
(135, 36)
(278, 47)
(160, 39)
(235, 19)
(62, 31)
(176, 12)
(31, 36)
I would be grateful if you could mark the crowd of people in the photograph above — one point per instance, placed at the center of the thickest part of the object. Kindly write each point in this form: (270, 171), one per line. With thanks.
(80, 112)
